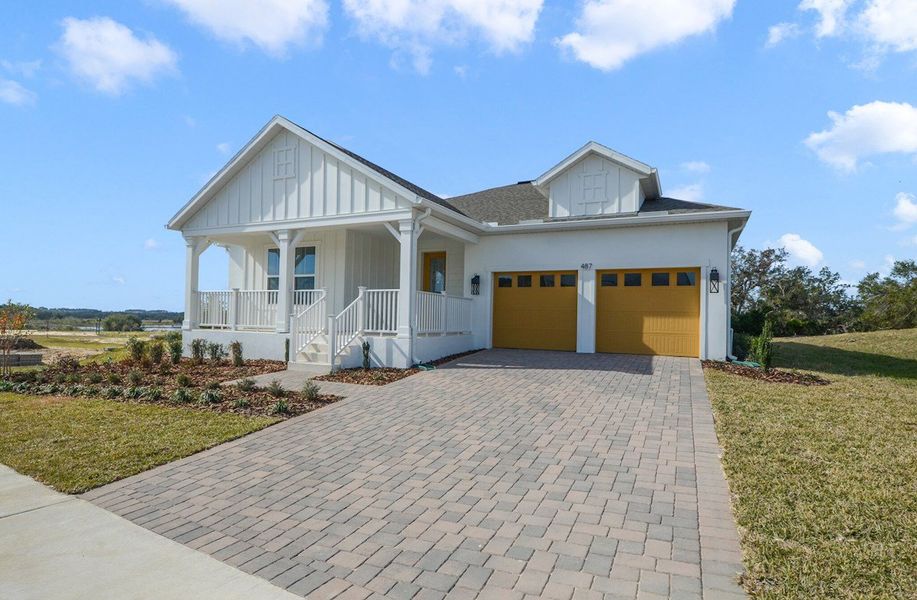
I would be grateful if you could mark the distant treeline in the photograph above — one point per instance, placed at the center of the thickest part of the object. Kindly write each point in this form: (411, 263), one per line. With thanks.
(92, 314)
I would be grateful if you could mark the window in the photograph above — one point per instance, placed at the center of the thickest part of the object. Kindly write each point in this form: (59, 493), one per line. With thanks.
(686, 278)
(504, 281)
(524, 281)
(546, 281)
(303, 268)
(285, 163)
(609, 279)
(568, 280)
(660, 279)
(633, 280)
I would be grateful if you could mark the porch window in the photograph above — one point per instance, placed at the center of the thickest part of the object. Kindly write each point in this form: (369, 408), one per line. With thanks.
(303, 268)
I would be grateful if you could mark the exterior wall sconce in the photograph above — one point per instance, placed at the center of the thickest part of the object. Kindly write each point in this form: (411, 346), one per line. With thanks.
(714, 281)
(476, 285)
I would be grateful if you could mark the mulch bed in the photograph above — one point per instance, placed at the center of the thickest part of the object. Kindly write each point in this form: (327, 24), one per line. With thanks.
(383, 375)
(772, 376)
(27, 344)
(158, 384)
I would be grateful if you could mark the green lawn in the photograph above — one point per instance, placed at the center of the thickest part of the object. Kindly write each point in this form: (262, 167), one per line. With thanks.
(76, 444)
(824, 478)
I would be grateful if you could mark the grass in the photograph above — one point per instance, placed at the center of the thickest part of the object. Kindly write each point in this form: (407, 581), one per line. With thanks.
(824, 478)
(75, 445)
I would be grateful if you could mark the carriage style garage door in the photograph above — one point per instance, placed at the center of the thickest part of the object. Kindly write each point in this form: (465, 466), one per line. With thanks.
(648, 311)
(535, 310)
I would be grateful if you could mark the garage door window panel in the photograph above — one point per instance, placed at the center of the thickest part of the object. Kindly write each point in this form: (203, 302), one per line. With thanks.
(660, 279)
(633, 279)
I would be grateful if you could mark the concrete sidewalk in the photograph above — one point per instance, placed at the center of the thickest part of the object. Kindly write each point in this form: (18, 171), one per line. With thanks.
(58, 546)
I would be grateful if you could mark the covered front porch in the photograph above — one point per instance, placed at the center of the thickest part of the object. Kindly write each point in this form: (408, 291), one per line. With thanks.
(312, 295)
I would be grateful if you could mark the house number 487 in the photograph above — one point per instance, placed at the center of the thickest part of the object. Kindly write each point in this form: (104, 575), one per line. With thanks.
(585, 266)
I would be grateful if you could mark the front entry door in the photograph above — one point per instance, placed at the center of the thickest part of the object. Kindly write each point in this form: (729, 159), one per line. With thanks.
(434, 272)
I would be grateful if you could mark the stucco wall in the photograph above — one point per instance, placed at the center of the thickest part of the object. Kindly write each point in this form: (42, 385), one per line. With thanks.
(702, 245)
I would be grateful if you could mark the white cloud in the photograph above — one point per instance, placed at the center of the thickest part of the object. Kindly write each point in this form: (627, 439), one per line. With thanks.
(803, 251)
(859, 265)
(150, 244)
(832, 15)
(461, 71)
(695, 166)
(118, 279)
(415, 27)
(693, 192)
(780, 32)
(611, 32)
(272, 25)
(109, 56)
(12, 92)
(865, 130)
(223, 147)
(25, 68)
(905, 210)
(891, 24)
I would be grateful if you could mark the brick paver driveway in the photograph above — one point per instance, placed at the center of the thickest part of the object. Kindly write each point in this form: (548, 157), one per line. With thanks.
(506, 474)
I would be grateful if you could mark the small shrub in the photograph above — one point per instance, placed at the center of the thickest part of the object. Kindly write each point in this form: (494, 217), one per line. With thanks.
(216, 352)
(210, 397)
(181, 396)
(182, 380)
(175, 350)
(762, 350)
(241, 403)
(154, 394)
(92, 391)
(198, 349)
(280, 407)
(73, 378)
(67, 363)
(6, 386)
(172, 336)
(72, 390)
(365, 346)
(111, 392)
(134, 392)
(246, 385)
(235, 350)
(157, 350)
(60, 378)
(165, 368)
(212, 385)
(135, 378)
(146, 362)
(276, 390)
(137, 349)
(48, 389)
(23, 388)
(310, 391)
(94, 377)
(114, 379)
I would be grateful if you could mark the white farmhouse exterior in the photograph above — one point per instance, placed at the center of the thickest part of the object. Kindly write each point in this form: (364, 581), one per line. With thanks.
(327, 250)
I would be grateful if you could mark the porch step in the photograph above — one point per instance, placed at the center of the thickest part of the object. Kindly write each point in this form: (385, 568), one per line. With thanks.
(310, 368)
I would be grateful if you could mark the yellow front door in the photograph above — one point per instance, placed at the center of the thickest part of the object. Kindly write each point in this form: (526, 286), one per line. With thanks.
(535, 310)
(648, 311)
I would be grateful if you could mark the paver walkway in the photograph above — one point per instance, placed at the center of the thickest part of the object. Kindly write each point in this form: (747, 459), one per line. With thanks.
(61, 547)
(506, 474)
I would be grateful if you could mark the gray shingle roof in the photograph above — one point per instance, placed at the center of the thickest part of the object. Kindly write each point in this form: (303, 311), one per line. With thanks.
(506, 205)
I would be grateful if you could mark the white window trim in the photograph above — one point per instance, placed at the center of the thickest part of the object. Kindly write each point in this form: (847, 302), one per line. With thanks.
(304, 244)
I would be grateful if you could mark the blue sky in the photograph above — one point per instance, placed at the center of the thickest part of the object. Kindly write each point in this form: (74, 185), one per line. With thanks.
(114, 113)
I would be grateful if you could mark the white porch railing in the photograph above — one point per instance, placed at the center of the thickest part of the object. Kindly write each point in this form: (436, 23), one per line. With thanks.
(309, 323)
(247, 309)
(442, 314)
(344, 327)
(380, 308)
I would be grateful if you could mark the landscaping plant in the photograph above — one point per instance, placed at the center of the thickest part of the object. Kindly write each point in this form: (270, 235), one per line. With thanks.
(276, 390)
(310, 391)
(175, 350)
(137, 349)
(181, 396)
(365, 346)
(157, 350)
(13, 319)
(281, 407)
(135, 377)
(183, 380)
(246, 385)
(210, 396)
(235, 349)
(216, 352)
(198, 349)
(762, 351)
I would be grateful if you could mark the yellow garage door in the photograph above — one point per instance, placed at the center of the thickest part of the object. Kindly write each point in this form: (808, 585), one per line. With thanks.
(535, 310)
(648, 311)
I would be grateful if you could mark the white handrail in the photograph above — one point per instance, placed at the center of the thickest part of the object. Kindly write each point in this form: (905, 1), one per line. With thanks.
(213, 308)
(442, 313)
(256, 309)
(381, 311)
(344, 328)
(309, 323)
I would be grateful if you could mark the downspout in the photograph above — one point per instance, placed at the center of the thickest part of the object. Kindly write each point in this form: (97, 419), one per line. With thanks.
(728, 290)
(418, 229)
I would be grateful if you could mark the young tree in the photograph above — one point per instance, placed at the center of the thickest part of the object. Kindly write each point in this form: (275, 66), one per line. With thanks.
(890, 302)
(13, 320)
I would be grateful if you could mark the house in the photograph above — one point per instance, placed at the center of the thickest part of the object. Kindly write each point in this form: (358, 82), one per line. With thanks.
(327, 249)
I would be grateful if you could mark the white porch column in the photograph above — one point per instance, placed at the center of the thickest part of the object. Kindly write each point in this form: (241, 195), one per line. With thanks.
(285, 241)
(407, 276)
(194, 247)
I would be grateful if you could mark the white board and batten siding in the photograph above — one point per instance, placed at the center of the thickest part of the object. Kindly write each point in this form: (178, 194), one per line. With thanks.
(595, 185)
(291, 179)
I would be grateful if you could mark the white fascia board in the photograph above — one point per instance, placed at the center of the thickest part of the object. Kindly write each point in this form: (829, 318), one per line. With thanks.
(632, 221)
(604, 151)
(441, 227)
(312, 222)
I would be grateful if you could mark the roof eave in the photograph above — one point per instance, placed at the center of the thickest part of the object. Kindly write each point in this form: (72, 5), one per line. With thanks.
(629, 221)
